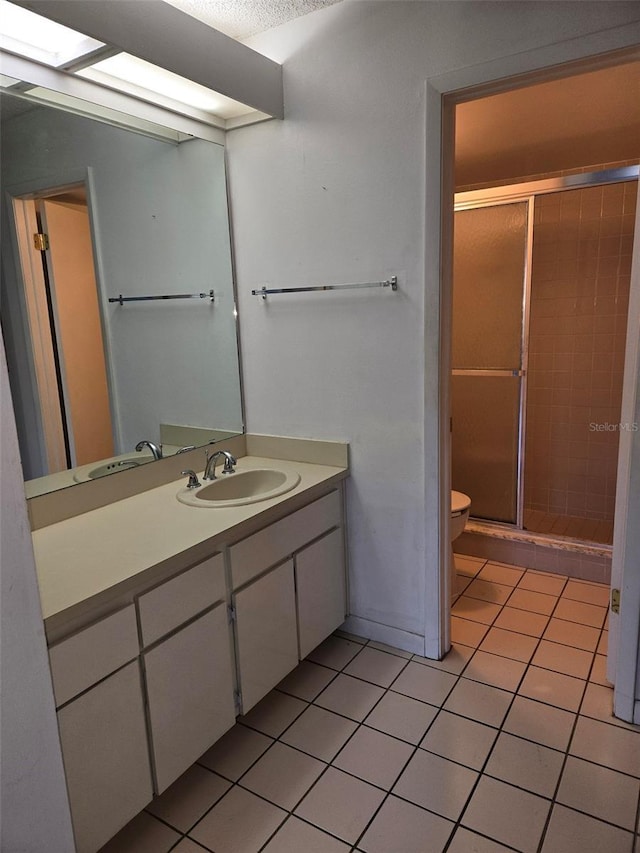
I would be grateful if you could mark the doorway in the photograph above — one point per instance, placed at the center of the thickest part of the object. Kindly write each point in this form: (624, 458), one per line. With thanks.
(55, 249)
(443, 94)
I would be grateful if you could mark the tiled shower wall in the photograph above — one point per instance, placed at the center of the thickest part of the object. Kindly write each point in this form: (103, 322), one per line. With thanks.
(579, 299)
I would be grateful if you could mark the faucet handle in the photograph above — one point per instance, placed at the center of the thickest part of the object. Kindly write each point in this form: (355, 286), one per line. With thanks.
(229, 462)
(194, 482)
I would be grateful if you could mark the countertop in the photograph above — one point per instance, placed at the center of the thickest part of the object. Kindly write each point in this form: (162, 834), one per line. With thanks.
(102, 551)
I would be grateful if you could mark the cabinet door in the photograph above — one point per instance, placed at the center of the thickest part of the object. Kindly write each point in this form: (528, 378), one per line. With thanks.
(190, 693)
(106, 759)
(266, 633)
(320, 587)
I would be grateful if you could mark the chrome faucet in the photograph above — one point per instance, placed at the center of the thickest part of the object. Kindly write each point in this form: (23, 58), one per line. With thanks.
(210, 467)
(155, 450)
(194, 482)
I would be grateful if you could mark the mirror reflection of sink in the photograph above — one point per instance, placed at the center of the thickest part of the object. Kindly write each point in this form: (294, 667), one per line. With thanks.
(243, 487)
(87, 473)
(121, 465)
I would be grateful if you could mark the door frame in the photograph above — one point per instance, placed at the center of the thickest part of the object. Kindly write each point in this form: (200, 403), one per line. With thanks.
(38, 333)
(42, 187)
(579, 55)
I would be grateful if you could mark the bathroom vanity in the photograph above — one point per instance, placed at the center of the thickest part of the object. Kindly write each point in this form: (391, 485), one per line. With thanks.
(165, 621)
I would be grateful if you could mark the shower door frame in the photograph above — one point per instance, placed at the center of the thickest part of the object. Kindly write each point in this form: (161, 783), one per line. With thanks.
(490, 201)
(511, 194)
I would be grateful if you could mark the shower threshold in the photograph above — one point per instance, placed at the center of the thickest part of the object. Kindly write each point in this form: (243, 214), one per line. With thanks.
(546, 552)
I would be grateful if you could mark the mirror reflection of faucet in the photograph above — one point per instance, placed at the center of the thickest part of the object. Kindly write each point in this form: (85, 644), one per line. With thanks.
(155, 450)
(210, 467)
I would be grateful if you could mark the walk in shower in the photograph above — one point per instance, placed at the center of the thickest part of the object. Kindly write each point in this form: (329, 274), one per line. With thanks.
(540, 304)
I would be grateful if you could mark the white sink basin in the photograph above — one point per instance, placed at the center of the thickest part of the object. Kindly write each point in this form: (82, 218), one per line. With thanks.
(243, 487)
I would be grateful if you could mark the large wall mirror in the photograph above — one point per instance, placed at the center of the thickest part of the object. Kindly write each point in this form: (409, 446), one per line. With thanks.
(130, 214)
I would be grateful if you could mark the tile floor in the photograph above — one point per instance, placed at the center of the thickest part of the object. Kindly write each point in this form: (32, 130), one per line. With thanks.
(506, 744)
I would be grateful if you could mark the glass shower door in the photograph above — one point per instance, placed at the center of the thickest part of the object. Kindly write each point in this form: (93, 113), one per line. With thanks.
(489, 276)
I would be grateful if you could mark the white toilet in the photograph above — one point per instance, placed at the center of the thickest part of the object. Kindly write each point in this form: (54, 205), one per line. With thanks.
(460, 505)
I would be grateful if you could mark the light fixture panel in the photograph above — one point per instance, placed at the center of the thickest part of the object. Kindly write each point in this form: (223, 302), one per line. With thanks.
(131, 74)
(36, 37)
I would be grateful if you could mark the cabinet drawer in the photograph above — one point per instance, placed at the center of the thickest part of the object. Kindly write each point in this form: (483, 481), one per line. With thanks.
(176, 601)
(278, 541)
(93, 653)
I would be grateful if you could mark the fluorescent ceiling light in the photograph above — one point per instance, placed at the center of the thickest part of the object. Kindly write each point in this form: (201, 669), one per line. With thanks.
(33, 37)
(138, 77)
(77, 106)
(36, 37)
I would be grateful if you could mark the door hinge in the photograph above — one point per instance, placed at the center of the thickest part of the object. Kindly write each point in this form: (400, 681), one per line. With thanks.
(237, 699)
(615, 600)
(231, 613)
(41, 242)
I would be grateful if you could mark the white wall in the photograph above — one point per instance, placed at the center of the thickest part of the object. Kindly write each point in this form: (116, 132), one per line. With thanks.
(336, 193)
(161, 225)
(34, 811)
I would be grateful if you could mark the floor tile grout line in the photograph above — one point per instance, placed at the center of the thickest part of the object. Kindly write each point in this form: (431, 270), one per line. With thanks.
(531, 636)
(336, 673)
(327, 764)
(407, 762)
(566, 756)
(193, 841)
(593, 816)
(501, 730)
(235, 782)
(577, 715)
(516, 693)
(215, 803)
(289, 812)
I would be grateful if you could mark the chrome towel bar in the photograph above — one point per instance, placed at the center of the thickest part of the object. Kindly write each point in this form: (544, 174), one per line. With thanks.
(122, 299)
(265, 291)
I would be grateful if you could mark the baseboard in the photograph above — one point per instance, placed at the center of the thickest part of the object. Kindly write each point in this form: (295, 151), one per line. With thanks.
(395, 637)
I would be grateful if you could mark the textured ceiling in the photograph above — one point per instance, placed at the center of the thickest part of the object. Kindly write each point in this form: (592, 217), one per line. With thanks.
(243, 18)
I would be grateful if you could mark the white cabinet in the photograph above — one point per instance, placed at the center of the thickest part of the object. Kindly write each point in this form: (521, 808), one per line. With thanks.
(283, 613)
(266, 633)
(143, 692)
(106, 760)
(190, 692)
(320, 590)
